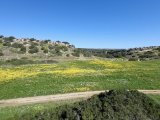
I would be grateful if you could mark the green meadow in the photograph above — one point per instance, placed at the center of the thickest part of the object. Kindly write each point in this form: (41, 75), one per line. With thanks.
(77, 76)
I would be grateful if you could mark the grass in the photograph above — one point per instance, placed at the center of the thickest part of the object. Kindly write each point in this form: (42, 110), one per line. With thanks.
(76, 76)
(8, 113)
(155, 98)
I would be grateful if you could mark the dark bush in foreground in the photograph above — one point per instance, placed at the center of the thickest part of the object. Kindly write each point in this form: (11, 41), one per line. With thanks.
(112, 105)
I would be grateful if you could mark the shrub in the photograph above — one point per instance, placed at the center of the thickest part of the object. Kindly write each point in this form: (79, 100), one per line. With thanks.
(58, 53)
(17, 45)
(51, 47)
(19, 61)
(7, 44)
(158, 49)
(33, 50)
(112, 105)
(23, 49)
(68, 55)
(133, 59)
(32, 46)
(45, 51)
(87, 54)
(76, 54)
(1, 41)
(9, 39)
(1, 53)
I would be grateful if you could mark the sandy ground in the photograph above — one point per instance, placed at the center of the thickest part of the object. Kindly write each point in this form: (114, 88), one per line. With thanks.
(58, 97)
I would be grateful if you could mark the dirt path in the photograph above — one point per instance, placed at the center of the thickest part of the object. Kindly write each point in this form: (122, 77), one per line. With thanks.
(58, 97)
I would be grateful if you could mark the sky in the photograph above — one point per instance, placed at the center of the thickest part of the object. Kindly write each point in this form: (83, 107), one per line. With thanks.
(84, 23)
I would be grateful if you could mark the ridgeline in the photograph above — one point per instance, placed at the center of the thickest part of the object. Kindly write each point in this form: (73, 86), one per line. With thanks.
(30, 49)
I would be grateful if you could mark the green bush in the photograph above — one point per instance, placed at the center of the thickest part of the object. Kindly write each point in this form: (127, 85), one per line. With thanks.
(133, 59)
(7, 44)
(45, 50)
(32, 46)
(19, 62)
(23, 49)
(1, 41)
(17, 45)
(33, 50)
(76, 54)
(51, 47)
(68, 55)
(1, 53)
(112, 105)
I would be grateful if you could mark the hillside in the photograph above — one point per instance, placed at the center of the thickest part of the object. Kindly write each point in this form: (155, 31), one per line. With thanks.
(133, 54)
(13, 48)
(30, 48)
(112, 105)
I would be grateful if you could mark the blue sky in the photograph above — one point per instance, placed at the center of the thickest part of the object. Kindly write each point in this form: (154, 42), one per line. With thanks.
(84, 23)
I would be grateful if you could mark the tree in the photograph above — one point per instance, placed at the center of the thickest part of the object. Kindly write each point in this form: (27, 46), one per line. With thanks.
(58, 41)
(1, 36)
(47, 41)
(67, 43)
(32, 39)
(9, 39)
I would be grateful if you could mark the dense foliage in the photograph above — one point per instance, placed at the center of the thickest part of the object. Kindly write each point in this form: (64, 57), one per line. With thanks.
(145, 53)
(112, 105)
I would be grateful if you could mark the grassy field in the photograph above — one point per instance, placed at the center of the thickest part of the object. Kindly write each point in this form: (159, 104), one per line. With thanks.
(155, 98)
(76, 76)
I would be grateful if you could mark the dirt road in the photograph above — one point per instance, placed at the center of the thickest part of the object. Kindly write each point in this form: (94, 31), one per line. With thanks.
(58, 97)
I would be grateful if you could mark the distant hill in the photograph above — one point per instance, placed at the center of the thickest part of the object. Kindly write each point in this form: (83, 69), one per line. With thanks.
(11, 47)
(144, 53)
(112, 105)
(30, 48)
